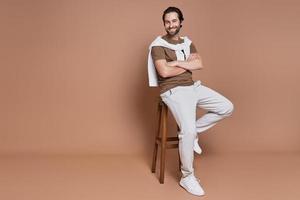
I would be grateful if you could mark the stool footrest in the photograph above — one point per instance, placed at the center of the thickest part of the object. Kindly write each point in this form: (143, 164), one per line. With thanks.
(173, 142)
(168, 139)
(172, 146)
(172, 139)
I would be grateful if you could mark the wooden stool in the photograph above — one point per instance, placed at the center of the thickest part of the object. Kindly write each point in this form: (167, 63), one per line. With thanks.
(162, 140)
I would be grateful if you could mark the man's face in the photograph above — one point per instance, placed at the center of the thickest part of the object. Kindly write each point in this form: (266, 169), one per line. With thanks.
(172, 23)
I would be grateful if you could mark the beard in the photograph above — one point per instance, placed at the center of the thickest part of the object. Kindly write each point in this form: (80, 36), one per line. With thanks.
(172, 33)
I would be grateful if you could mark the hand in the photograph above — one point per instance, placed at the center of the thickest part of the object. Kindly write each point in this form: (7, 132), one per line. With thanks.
(193, 56)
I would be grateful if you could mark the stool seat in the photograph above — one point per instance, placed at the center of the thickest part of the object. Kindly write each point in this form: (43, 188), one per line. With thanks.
(162, 140)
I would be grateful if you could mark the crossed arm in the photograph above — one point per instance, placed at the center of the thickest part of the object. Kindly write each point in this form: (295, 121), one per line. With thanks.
(169, 69)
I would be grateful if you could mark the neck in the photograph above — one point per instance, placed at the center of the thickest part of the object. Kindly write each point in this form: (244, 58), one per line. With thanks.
(173, 37)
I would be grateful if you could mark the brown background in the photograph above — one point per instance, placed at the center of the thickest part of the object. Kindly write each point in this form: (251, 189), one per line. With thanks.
(74, 80)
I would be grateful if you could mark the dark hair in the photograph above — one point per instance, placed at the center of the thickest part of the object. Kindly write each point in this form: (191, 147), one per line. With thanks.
(173, 9)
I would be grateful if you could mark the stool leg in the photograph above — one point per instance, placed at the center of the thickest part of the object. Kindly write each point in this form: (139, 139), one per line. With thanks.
(155, 142)
(163, 143)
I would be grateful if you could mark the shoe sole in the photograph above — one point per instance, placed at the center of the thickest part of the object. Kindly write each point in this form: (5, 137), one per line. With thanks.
(199, 195)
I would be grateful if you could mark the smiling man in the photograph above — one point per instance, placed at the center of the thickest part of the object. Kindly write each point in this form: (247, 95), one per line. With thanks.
(171, 61)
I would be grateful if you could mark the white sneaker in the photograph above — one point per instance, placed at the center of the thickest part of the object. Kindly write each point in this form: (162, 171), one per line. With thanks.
(197, 148)
(191, 184)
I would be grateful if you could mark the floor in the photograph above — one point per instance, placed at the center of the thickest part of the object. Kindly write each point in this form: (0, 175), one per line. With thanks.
(223, 177)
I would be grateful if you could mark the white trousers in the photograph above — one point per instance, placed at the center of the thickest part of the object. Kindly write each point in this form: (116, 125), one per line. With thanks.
(183, 101)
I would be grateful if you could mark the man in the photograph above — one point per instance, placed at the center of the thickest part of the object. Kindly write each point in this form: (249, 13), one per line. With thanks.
(175, 58)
